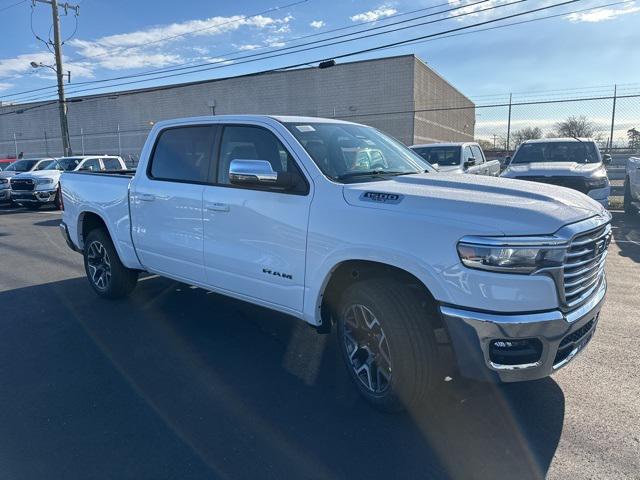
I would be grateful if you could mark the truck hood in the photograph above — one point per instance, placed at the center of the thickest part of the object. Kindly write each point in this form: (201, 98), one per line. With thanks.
(450, 169)
(55, 174)
(553, 169)
(484, 205)
(8, 174)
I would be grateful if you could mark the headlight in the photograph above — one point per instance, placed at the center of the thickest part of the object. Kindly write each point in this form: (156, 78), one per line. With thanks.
(3, 180)
(44, 181)
(597, 182)
(511, 255)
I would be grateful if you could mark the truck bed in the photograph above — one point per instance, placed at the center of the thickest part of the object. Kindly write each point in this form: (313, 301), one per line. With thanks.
(107, 195)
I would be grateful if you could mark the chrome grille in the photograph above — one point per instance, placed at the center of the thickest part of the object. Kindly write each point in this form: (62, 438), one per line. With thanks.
(584, 262)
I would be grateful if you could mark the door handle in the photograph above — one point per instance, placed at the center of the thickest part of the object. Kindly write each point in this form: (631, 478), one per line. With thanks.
(218, 207)
(147, 197)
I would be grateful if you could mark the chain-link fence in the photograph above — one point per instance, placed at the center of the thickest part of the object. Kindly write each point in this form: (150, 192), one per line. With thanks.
(501, 124)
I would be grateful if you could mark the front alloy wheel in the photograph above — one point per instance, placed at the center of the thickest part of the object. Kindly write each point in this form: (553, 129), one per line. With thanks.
(367, 349)
(99, 265)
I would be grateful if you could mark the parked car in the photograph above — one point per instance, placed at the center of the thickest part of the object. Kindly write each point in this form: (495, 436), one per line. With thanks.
(632, 185)
(39, 188)
(462, 157)
(568, 162)
(5, 162)
(15, 168)
(408, 266)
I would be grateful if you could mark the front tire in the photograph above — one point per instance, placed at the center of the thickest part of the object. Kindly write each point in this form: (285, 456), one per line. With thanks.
(105, 272)
(629, 208)
(387, 344)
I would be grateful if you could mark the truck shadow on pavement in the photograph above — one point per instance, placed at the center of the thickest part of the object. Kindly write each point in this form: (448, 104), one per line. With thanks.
(175, 382)
(626, 234)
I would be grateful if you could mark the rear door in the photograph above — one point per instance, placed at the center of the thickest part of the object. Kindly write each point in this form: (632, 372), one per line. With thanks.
(166, 202)
(255, 238)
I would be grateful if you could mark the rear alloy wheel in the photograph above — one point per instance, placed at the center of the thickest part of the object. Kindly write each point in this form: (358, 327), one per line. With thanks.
(386, 338)
(106, 273)
(99, 266)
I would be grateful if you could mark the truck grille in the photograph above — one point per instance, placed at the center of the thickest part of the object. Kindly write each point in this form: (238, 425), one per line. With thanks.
(575, 183)
(583, 267)
(22, 185)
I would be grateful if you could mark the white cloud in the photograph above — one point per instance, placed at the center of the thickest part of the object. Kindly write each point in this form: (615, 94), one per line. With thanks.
(373, 15)
(602, 14)
(21, 64)
(317, 24)
(5, 86)
(248, 46)
(148, 47)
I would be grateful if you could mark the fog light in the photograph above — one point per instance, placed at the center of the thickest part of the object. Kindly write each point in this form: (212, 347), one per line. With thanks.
(515, 352)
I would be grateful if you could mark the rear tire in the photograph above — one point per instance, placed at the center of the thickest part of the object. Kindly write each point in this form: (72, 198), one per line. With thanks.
(105, 272)
(629, 208)
(56, 200)
(387, 344)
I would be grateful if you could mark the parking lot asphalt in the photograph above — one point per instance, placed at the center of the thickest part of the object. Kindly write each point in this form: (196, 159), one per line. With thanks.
(178, 383)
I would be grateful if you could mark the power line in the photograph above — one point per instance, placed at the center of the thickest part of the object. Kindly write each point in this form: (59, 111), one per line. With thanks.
(279, 52)
(253, 55)
(13, 5)
(151, 42)
(367, 50)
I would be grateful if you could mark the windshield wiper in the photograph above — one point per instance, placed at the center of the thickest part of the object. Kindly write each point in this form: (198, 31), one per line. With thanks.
(374, 173)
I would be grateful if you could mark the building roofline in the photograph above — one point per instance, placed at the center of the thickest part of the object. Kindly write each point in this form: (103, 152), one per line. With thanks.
(210, 80)
(424, 65)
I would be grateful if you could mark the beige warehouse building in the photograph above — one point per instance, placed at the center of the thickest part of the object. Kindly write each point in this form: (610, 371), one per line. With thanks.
(400, 95)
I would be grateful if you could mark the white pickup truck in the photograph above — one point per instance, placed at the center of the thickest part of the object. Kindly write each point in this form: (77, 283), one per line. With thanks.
(632, 185)
(412, 267)
(461, 157)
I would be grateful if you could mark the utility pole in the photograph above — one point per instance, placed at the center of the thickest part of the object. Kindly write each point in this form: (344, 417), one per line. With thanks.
(509, 122)
(613, 117)
(57, 45)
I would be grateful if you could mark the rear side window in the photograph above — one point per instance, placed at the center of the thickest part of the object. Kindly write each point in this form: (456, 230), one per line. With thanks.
(111, 164)
(92, 165)
(183, 154)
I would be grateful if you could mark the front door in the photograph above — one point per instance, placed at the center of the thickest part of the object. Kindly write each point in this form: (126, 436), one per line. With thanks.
(255, 238)
(166, 205)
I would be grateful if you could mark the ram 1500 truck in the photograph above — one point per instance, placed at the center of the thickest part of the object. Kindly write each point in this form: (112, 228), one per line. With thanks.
(632, 185)
(410, 267)
(574, 163)
(38, 188)
(460, 157)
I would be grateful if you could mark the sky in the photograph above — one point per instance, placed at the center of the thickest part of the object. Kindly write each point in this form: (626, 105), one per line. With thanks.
(584, 52)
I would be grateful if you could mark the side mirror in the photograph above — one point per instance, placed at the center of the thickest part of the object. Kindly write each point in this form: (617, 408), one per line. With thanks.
(606, 159)
(507, 160)
(257, 173)
(470, 162)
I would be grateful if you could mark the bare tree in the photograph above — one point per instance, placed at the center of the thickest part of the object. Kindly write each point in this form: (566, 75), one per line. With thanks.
(634, 138)
(575, 127)
(485, 144)
(526, 133)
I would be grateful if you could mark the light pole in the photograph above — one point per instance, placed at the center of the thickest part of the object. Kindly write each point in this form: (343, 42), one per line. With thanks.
(62, 107)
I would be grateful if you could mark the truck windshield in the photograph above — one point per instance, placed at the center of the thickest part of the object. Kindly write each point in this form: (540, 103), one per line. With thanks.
(64, 164)
(443, 156)
(578, 152)
(22, 166)
(354, 153)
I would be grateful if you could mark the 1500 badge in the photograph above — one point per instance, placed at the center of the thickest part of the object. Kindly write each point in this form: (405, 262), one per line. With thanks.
(268, 271)
(381, 197)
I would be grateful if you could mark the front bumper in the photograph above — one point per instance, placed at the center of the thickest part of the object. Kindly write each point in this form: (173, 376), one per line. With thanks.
(36, 196)
(561, 336)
